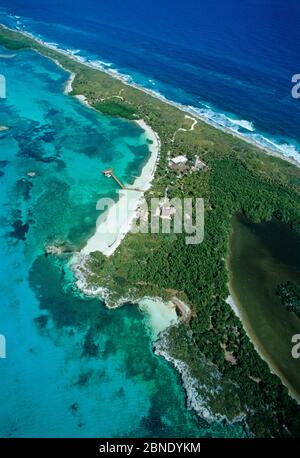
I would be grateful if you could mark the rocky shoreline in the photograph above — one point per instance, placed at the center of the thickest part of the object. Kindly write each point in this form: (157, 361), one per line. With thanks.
(193, 398)
(79, 268)
(191, 386)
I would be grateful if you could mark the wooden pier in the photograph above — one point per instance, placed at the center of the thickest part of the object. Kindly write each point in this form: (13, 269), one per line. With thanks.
(109, 173)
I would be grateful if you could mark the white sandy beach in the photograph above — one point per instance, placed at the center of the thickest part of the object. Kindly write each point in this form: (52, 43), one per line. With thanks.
(68, 86)
(160, 314)
(83, 100)
(115, 223)
(234, 307)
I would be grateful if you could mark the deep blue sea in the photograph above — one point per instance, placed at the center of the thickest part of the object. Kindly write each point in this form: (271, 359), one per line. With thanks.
(231, 61)
(73, 367)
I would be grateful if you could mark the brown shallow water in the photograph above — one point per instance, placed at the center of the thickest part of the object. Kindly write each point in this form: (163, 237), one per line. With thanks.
(262, 256)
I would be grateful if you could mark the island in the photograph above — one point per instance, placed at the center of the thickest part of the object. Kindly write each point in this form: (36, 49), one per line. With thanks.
(224, 375)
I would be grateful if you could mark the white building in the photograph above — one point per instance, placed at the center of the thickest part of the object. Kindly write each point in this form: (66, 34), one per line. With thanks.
(178, 160)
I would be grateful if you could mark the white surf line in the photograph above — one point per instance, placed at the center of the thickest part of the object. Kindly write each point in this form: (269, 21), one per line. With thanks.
(182, 129)
(269, 151)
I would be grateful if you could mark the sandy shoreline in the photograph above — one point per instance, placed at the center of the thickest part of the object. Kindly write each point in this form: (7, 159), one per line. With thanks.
(237, 309)
(186, 109)
(230, 301)
(69, 83)
(113, 225)
(161, 315)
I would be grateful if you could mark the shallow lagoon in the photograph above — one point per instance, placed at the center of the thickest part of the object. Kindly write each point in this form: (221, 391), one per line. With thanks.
(73, 368)
(263, 256)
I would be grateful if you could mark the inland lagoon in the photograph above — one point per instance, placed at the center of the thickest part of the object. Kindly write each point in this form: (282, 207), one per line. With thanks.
(262, 257)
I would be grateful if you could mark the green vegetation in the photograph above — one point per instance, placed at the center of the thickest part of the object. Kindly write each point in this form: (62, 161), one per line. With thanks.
(12, 44)
(113, 108)
(241, 178)
(289, 294)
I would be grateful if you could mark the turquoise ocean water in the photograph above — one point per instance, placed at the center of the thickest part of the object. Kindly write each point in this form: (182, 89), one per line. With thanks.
(73, 368)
